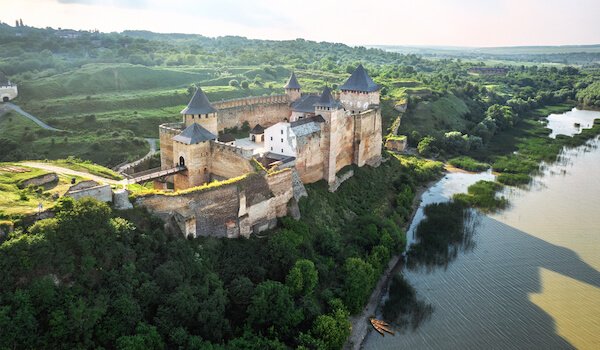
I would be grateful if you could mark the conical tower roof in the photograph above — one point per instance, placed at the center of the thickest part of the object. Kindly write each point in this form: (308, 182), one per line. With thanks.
(199, 104)
(292, 82)
(326, 100)
(360, 81)
(194, 134)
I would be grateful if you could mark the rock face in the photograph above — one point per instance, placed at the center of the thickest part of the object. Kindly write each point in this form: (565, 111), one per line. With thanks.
(250, 205)
(83, 185)
(42, 180)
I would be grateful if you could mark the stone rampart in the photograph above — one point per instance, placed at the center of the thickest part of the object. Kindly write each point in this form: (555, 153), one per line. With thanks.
(102, 193)
(249, 205)
(264, 110)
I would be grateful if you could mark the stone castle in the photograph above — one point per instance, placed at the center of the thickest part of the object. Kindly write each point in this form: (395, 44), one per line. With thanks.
(316, 134)
(295, 139)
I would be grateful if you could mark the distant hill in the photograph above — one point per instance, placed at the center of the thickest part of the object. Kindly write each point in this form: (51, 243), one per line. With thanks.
(568, 54)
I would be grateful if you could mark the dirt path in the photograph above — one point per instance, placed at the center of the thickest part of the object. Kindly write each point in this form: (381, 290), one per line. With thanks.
(29, 116)
(67, 171)
(360, 324)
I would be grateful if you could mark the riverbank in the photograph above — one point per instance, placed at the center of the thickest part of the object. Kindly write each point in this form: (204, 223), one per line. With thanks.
(361, 327)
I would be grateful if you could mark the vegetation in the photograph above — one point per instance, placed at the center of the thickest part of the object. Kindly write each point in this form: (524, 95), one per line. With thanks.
(125, 283)
(469, 164)
(87, 167)
(482, 195)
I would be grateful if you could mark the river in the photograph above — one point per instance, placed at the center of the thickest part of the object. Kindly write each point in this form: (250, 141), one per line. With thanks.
(532, 279)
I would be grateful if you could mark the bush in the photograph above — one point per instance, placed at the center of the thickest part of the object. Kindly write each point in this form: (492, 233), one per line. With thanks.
(482, 195)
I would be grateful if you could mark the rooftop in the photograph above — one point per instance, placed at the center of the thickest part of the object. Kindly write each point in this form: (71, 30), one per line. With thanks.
(326, 100)
(292, 82)
(360, 81)
(194, 134)
(199, 104)
(257, 129)
(305, 104)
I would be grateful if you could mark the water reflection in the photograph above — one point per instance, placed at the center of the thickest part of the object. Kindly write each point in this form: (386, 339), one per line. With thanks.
(446, 230)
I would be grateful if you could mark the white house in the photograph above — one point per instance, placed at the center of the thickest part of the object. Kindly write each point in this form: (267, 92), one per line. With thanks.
(8, 90)
(280, 139)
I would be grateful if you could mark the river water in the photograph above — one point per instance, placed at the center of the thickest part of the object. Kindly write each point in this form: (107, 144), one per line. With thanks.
(532, 280)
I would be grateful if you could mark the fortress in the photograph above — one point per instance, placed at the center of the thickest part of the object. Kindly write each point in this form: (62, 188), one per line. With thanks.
(315, 133)
(295, 139)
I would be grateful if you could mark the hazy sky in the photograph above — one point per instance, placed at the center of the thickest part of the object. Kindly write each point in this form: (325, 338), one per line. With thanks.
(395, 22)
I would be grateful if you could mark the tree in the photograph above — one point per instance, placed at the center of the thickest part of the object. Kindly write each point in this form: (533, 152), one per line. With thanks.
(245, 84)
(234, 83)
(359, 277)
(427, 146)
(502, 116)
(146, 338)
(333, 329)
(273, 309)
(302, 278)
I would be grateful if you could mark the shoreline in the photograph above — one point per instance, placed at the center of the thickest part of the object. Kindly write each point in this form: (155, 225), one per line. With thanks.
(360, 324)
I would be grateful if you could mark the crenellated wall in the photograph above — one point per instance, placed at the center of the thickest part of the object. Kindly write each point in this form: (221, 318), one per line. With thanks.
(229, 161)
(252, 204)
(264, 110)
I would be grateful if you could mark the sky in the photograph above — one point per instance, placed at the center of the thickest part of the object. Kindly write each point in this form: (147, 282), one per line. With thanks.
(478, 23)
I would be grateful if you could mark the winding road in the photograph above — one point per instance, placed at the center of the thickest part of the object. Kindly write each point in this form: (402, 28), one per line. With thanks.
(27, 115)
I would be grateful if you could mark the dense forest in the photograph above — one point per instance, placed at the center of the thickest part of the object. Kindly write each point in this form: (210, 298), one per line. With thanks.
(93, 277)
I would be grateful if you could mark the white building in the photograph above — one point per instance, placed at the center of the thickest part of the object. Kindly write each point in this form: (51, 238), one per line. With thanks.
(280, 139)
(8, 90)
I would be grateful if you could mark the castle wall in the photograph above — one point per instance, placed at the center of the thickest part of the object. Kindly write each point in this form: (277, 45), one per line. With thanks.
(344, 151)
(265, 110)
(8, 92)
(250, 205)
(166, 133)
(368, 137)
(229, 161)
(309, 160)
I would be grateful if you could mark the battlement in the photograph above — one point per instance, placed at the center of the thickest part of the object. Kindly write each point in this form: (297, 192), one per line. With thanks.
(171, 128)
(220, 146)
(251, 101)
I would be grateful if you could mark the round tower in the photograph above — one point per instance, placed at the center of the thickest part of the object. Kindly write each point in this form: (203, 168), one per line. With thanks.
(200, 111)
(293, 88)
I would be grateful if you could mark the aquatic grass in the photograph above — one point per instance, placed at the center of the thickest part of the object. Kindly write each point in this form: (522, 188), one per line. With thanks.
(469, 164)
(482, 195)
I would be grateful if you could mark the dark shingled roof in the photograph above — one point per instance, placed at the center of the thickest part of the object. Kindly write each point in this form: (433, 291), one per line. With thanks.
(305, 104)
(194, 134)
(292, 82)
(199, 104)
(257, 129)
(226, 138)
(317, 119)
(360, 81)
(326, 100)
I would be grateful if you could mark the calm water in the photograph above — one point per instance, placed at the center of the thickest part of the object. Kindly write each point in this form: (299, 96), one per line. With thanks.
(532, 280)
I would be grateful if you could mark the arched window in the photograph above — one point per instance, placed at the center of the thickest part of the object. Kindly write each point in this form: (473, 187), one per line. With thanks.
(181, 161)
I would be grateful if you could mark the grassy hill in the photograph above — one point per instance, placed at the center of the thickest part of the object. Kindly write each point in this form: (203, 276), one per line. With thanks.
(446, 113)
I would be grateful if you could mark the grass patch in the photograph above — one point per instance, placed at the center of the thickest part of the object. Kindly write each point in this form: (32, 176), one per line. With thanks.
(482, 195)
(87, 167)
(446, 113)
(469, 164)
(16, 202)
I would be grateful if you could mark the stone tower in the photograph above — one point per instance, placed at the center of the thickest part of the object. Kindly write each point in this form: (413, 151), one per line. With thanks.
(359, 92)
(200, 111)
(292, 88)
(331, 110)
(191, 148)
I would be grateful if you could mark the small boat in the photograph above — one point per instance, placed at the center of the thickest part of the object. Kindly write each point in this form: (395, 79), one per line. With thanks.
(577, 125)
(381, 327)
